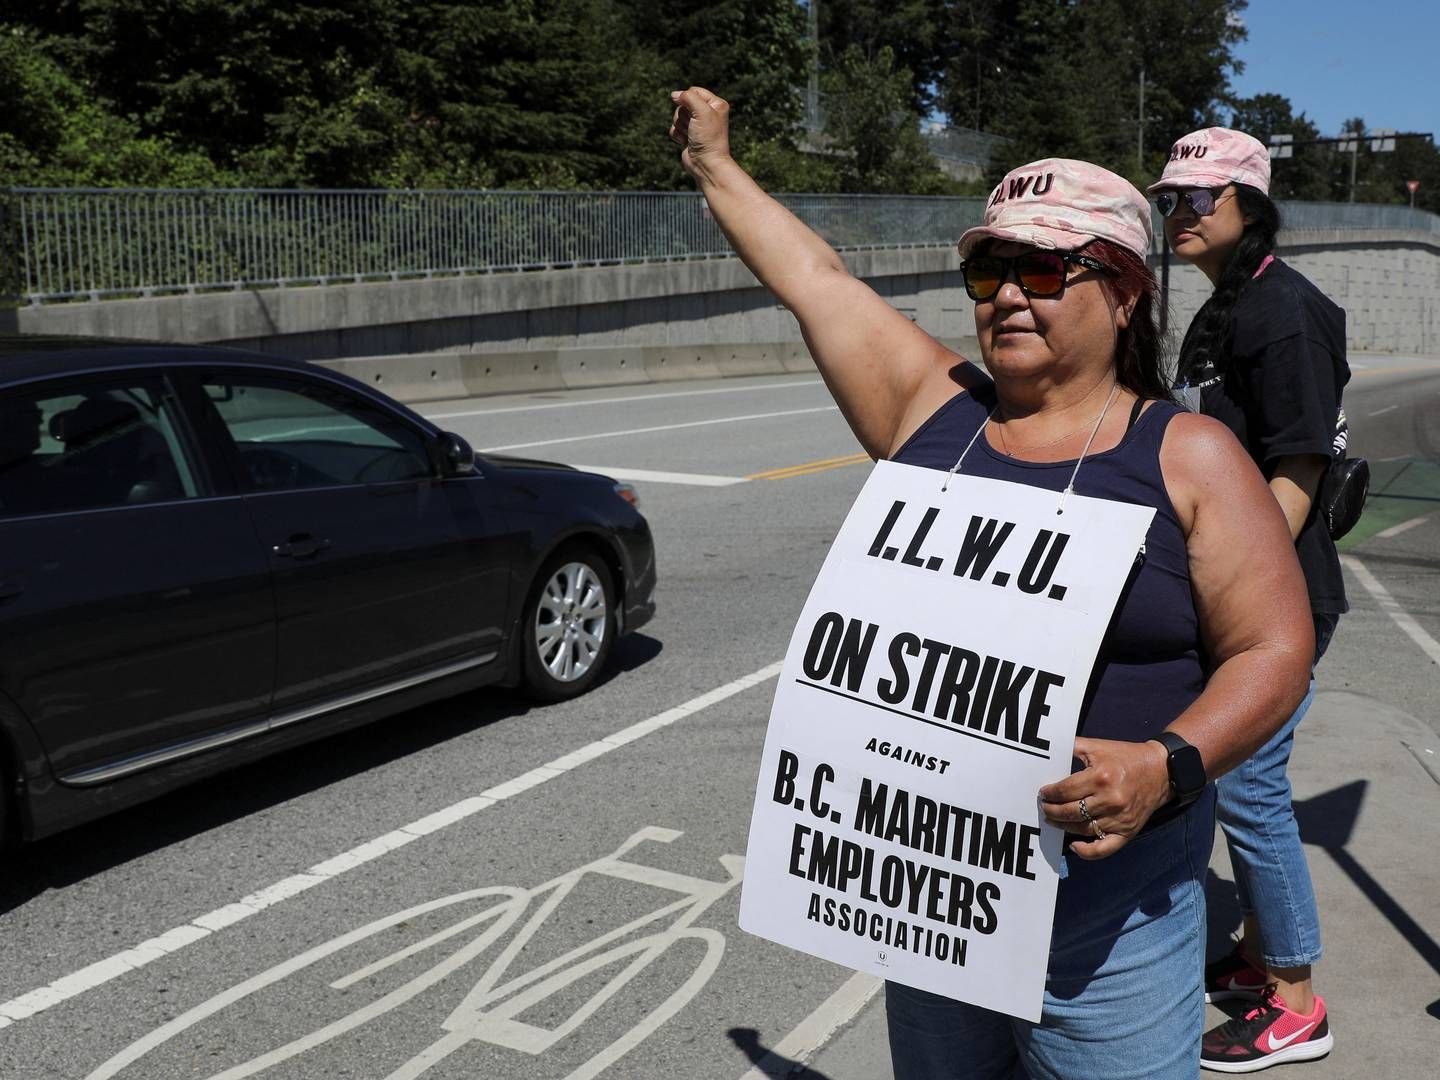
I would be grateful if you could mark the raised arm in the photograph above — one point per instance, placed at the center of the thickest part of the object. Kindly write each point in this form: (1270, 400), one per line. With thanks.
(886, 374)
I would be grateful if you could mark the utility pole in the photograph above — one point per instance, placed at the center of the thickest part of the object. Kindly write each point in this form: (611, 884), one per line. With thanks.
(1381, 142)
(1354, 149)
(1140, 126)
(812, 100)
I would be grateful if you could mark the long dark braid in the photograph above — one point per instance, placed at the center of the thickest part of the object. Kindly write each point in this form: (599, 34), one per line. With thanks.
(1207, 345)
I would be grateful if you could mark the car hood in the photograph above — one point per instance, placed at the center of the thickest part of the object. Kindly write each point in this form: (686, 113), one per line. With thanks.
(506, 461)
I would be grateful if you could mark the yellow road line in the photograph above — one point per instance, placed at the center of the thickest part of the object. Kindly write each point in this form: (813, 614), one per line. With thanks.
(805, 468)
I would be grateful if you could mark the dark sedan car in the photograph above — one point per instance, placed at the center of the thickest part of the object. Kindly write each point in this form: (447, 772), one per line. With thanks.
(207, 555)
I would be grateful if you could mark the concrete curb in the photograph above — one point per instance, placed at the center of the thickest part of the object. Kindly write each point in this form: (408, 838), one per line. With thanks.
(449, 376)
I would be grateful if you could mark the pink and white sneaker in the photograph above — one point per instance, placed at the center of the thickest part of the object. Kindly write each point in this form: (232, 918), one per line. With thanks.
(1232, 976)
(1268, 1033)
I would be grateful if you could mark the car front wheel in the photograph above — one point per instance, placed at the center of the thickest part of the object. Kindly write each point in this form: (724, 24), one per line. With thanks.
(569, 625)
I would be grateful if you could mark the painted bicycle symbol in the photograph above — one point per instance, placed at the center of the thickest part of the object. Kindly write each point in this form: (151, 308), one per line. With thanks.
(490, 1011)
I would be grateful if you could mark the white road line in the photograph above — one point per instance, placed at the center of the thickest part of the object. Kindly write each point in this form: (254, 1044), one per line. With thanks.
(1382, 412)
(1401, 617)
(648, 476)
(1426, 756)
(659, 427)
(629, 397)
(104, 971)
(818, 1028)
(1404, 526)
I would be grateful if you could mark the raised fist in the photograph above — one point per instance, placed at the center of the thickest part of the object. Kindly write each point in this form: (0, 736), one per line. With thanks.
(701, 127)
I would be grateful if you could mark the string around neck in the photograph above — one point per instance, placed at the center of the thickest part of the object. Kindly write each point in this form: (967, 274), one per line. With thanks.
(1114, 393)
(956, 467)
(1070, 486)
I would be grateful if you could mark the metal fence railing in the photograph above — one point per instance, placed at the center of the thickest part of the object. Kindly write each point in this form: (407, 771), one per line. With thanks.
(91, 243)
(59, 244)
(1335, 215)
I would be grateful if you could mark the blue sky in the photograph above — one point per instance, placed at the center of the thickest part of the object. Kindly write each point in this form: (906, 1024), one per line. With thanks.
(1334, 59)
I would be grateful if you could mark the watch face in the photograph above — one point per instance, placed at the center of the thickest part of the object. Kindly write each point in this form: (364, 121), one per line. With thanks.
(1187, 771)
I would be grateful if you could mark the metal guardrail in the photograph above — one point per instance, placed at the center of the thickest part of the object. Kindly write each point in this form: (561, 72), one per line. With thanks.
(1298, 216)
(91, 243)
(1338, 215)
(62, 244)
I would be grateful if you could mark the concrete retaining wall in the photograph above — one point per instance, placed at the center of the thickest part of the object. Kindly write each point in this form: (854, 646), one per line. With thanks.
(1388, 283)
(428, 339)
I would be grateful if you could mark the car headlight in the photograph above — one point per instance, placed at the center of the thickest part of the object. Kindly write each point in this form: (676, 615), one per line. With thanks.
(628, 493)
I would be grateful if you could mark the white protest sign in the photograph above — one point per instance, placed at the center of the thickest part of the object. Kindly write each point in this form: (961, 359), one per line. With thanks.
(932, 686)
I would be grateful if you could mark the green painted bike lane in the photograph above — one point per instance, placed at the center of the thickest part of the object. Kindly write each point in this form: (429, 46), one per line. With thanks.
(1400, 490)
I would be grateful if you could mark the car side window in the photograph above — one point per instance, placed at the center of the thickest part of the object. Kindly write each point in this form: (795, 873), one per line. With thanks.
(290, 435)
(90, 446)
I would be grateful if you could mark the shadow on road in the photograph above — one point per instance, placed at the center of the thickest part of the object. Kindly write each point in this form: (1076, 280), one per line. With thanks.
(101, 845)
(767, 1061)
(631, 651)
(1327, 820)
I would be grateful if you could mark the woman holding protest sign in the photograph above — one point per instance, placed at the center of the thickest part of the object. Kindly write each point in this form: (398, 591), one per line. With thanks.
(1265, 355)
(1065, 316)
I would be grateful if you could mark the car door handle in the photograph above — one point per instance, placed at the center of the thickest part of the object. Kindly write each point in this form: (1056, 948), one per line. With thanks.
(11, 588)
(301, 546)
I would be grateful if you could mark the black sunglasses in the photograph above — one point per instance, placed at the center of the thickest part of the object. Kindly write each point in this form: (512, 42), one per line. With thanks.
(1201, 200)
(1040, 274)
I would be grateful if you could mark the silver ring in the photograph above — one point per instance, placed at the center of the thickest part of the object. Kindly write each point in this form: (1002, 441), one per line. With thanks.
(1100, 833)
(1084, 813)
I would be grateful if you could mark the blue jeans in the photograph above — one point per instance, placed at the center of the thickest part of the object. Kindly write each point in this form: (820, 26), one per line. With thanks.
(1272, 879)
(1123, 995)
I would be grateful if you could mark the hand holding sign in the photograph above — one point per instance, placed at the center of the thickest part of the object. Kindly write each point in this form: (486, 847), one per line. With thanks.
(1122, 783)
(932, 686)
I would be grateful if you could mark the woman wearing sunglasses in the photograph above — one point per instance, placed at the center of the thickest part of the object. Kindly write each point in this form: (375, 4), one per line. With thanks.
(1266, 357)
(1065, 316)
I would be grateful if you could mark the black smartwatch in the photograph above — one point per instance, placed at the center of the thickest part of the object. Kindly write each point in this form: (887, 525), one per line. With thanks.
(1187, 771)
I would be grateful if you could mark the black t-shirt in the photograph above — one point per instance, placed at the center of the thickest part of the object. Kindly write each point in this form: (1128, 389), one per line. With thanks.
(1278, 389)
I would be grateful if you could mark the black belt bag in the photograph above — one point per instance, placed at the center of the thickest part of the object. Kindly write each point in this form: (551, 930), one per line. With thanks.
(1341, 496)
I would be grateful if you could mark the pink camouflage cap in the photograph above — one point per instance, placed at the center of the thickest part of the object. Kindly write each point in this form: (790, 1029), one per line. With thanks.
(1213, 157)
(1061, 203)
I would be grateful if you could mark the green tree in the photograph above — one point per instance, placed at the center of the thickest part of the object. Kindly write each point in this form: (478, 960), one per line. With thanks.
(910, 29)
(753, 53)
(538, 93)
(54, 133)
(873, 129)
(1304, 175)
(1066, 76)
(979, 42)
(1048, 108)
(777, 165)
(1187, 51)
(1413, 159)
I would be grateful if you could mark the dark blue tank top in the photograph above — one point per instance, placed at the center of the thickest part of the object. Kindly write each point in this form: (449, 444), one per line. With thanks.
(1149, 668)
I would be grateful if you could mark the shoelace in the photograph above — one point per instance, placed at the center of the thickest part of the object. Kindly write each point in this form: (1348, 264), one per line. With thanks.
(1266, 1005)
(1243, 1030)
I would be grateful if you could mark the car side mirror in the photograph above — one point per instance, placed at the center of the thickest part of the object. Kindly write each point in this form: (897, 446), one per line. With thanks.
(454, 455)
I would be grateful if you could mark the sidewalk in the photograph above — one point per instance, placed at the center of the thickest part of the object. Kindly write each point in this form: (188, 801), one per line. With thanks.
(1367, 794)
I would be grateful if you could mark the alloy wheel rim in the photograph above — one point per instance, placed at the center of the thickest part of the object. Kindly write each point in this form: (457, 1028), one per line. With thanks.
(570, 622)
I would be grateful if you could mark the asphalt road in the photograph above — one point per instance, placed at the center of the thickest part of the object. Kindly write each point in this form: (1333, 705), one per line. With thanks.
(452, 953)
